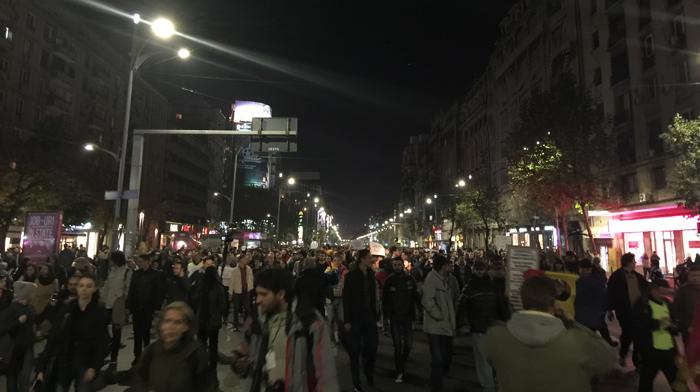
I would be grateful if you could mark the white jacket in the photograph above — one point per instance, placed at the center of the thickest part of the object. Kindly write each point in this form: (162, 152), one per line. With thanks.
(236, 283)
(227, 275)
(117, 285)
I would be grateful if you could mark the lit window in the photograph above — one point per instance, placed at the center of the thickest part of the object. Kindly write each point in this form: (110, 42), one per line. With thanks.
(8, 33)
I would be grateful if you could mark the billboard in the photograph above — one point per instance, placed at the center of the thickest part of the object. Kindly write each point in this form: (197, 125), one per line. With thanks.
(243, 113)
(42, 231)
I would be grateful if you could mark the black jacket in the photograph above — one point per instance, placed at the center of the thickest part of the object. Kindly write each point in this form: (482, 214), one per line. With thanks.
(177, 288)
(358, 309)
(80, 337)
(182, 368)
(400, 296)
(483, 303)
(618, 297)
(145, 291)
(210, 311)
(313, 287)
(645, 324)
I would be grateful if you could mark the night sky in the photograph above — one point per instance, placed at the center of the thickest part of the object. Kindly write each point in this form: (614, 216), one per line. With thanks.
(361, 77)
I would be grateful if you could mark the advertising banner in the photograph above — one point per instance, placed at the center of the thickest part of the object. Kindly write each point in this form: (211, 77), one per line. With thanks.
(243, 112)
(519, 259)
(42, 231)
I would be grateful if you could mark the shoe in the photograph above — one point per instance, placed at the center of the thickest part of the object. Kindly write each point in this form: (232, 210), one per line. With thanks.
(399, 378)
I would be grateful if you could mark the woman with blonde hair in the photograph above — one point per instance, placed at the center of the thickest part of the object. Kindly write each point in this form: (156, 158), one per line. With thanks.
(176, 362)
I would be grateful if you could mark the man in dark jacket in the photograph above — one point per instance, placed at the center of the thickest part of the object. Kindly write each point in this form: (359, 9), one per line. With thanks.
(591, 300)
(483, 303)
(400, 297)
(177, 286)
(313, 285)
(360, 311)
(145, 297)
(625, 288)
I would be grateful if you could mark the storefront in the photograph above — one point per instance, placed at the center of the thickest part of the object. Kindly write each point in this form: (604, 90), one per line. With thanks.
(669, 230)
(542, 237)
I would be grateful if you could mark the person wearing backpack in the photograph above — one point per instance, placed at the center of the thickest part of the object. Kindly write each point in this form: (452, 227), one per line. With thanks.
(176, 361)
(287, 347)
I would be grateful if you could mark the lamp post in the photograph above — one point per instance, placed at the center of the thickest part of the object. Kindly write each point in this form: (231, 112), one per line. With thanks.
(90, 147)
(291, 181)
(163, 29)
(233, 187)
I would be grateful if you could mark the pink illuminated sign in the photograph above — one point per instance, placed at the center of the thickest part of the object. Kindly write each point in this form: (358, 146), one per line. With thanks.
(42, 231)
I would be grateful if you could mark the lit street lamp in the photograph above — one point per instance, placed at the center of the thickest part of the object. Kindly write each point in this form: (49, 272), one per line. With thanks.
(161, 28)
(291, 181)
(91, 147)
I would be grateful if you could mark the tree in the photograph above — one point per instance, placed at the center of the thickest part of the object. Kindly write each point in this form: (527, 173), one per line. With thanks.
(683, 138)
(43, 170)
(558, 155)
(479, 206)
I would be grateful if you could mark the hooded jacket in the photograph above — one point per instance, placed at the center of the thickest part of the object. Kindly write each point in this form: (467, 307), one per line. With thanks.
(483, 304)
(299, 356)
(535, 352)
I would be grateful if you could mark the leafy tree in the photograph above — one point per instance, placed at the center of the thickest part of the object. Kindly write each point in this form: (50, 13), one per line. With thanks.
(683, 138)
(43, 170)
(479, 206)
(560, 149)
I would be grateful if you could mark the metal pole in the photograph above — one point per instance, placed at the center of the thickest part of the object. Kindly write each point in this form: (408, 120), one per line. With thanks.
(233, 188)
(134, 184)
(279, 204)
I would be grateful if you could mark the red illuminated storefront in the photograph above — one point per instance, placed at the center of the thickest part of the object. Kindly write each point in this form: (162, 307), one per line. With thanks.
(668, 229)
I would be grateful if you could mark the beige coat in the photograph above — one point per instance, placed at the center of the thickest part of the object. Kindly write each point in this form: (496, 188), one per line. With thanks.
(236, 283)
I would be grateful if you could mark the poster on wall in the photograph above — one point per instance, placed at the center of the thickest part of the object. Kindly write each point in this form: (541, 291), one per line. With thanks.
(42, 235)
(520, 259)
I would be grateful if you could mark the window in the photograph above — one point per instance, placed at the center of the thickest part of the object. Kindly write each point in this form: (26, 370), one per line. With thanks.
(8, 34)
(4, 65)
(629, 185)
(659, 175)
(682, 71)
(652, 88)
(24, 76)
(648, 45)
(49, 33)
(557, 37)
(596, 40)
(679, 25)
(656, 145)
(20, 108)
(45, 58)
(597, 77)
(27, 48)
(594, 6)
(626, 151)
(31, 23)
(622, 106)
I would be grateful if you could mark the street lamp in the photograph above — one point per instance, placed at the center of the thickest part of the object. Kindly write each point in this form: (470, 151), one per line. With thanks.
(291, 181)
(316, 200)
(218, 194)
(161, 28)
(184, 53)
(91, 147)
(461, 184)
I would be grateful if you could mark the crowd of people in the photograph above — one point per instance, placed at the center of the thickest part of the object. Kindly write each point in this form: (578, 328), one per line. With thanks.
(293, 307)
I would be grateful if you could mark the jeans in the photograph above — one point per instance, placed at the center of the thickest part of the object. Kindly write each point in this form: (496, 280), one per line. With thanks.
(440, 361)
(210, 339)
(143, 319)
(67, 375)
(484, 372)
(362, 340)
(627, 338)
(652, 362)
(239, 300)
(401, 336)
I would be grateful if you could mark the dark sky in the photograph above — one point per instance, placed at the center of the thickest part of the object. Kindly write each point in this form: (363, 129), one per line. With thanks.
(361, 76)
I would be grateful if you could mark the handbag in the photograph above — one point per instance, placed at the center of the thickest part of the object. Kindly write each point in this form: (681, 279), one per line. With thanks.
(7, 346)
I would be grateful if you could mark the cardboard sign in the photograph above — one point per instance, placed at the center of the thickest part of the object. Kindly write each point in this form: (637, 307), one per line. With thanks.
(519, 260)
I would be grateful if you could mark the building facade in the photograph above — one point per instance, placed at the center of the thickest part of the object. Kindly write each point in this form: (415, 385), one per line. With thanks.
(637, 60)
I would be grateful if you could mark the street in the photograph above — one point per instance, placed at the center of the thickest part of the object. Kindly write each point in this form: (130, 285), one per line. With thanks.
(462, 376)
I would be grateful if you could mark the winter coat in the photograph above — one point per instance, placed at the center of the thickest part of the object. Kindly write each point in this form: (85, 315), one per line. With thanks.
(308, 347)
(210, 311)
(116, 286)
(534, 352)
(22, 334)
(42, 295)
(618, 297)
(400, 297)
(483, 304)
(80, 338)
(177, 288)
(313, 287)
(439, 316)
(145, 291)
(236, 283)
(591, 301)
(355, 300)
(182, 368)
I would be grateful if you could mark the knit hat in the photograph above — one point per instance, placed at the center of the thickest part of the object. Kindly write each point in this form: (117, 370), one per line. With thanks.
(23, 291)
